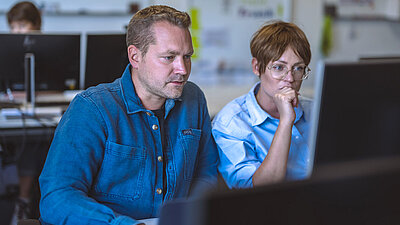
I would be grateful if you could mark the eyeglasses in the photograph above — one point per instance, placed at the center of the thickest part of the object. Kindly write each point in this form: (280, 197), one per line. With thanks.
(280, 71)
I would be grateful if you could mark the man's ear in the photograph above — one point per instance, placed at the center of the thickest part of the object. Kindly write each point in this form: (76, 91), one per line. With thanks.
(133, 56)
(255, 67)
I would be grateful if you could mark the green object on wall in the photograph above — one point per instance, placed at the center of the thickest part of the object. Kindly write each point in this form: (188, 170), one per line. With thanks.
(327, 36)
(195, 30)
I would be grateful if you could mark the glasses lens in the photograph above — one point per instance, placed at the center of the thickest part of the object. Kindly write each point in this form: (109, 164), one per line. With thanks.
(280, 71)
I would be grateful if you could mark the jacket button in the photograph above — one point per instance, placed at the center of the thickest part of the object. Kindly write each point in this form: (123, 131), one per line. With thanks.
(159, 191)
(159, 158)
(149, 114)
(155, 127)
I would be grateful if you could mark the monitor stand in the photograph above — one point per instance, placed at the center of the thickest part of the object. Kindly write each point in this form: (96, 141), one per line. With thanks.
(29, 69)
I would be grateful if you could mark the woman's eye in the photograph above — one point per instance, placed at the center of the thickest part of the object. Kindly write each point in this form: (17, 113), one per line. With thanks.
(277, 67)
(299, 68)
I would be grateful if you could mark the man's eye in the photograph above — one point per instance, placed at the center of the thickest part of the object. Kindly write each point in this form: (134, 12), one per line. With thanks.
(187, 56)
(169, 58)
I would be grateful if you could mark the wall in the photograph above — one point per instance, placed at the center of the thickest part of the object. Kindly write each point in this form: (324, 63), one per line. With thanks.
(352, 38)
(355, 38)
(308, 14)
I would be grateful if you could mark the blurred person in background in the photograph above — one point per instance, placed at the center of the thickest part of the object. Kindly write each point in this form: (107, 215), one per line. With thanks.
(25, 17)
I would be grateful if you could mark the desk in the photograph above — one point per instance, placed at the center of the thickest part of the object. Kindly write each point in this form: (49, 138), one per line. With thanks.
(25, 142)
(28, 125)
(46, 119)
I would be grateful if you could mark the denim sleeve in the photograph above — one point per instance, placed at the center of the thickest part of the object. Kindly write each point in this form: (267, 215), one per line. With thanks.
(238, 159)
(205, 174)
(72, 163)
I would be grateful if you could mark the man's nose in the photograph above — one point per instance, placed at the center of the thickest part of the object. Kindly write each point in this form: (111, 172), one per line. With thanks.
(181, 66)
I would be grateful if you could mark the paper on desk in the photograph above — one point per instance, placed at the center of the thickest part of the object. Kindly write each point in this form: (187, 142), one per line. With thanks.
(56, 111)
(151, 221)
(10, 112)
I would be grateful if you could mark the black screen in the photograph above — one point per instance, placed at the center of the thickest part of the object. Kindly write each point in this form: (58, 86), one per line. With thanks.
(369, 197)
(57, 60)
(106, 58)
(359, 115)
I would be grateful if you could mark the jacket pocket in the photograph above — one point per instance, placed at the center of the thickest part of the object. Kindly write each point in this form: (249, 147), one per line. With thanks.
(121, 173)
(190, 143)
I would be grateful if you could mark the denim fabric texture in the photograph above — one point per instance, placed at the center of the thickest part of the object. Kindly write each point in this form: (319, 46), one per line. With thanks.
(103, 165)
(244, 132)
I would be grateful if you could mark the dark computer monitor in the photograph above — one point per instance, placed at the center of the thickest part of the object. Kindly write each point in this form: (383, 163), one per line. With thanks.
(357, 112)
(378, 57)
(368, 196)
(106, 58)
(364, 192)
(56, 61)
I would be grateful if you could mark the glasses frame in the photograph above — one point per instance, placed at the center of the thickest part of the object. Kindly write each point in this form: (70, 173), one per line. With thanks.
(307, 71)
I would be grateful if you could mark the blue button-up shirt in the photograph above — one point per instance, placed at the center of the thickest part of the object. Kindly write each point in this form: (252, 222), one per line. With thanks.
(103, 166)
(244, 132)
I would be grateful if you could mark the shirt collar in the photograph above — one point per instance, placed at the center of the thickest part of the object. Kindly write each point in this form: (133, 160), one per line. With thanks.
(257, 114)
(132, 101)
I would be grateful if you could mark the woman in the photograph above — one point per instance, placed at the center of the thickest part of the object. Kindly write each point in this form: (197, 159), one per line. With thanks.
(262, 136)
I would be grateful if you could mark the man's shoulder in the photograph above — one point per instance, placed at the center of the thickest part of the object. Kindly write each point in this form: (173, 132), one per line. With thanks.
(101, 90)
(192, 87)
(191, 90)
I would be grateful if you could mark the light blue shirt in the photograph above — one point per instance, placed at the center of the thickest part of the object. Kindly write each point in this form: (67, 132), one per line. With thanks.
(244, 132)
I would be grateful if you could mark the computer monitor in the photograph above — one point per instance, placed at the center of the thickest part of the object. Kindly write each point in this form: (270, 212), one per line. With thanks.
(378, 57)
(368, 195)
(357, 112)
(56, 61)
(106, 58)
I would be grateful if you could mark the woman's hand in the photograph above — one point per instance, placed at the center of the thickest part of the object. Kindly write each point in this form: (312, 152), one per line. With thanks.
(285, 100)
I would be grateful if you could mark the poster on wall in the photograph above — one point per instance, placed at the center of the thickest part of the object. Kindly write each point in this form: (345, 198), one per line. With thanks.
(222, 29)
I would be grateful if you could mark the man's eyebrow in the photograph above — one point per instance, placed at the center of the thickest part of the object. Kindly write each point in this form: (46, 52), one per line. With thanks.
(172, 52)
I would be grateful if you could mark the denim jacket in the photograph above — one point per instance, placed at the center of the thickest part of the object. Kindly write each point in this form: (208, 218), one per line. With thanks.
(105, 163)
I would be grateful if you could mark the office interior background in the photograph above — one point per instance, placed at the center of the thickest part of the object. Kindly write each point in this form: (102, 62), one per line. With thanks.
(222, 30)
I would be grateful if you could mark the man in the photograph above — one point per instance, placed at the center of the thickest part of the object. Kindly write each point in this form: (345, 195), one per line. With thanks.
(122, 149)
(262, 136)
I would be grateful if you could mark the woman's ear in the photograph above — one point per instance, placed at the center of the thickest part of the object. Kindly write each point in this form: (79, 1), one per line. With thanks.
(133, 56)
(254, 65)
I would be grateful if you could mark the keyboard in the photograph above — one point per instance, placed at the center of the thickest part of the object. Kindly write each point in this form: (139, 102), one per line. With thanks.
(4, 105)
